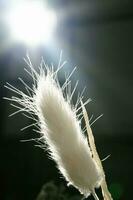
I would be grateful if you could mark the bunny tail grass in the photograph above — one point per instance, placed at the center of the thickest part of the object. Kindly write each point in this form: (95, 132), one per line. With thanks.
(58, 122)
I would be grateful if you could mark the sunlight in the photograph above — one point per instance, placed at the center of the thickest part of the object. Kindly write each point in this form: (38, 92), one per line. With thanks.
(32, 23)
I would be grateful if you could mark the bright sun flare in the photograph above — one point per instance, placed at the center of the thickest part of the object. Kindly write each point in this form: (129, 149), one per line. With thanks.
(32, 23)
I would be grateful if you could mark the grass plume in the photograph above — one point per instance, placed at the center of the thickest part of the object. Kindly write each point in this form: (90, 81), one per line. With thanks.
(59, 123)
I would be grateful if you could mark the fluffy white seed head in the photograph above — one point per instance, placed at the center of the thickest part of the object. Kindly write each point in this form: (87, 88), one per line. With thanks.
(62, 132)
(60, 128)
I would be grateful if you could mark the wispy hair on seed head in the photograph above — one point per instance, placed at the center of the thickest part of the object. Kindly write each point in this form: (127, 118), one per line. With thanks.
(24, 101)
(58, 121)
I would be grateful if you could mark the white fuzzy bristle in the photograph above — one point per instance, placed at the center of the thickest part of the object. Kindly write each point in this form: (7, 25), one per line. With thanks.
(60, 128)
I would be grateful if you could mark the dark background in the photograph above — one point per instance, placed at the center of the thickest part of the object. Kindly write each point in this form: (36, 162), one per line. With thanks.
(97, 36)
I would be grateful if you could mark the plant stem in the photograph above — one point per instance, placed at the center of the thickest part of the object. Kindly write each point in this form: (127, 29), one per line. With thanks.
(95, 195)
